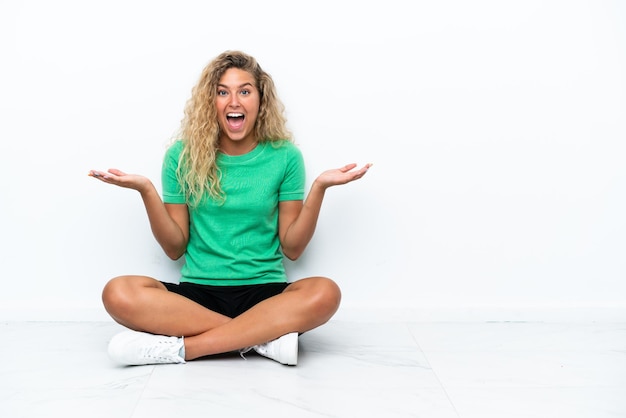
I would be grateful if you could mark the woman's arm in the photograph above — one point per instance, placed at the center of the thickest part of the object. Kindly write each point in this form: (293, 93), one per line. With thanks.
(297, 220)
(169, 222)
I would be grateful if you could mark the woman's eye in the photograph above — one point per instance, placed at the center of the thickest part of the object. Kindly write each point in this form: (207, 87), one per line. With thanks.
(245, 92)
(221, 93)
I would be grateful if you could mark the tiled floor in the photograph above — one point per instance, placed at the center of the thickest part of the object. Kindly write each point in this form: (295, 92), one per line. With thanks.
(346, 369)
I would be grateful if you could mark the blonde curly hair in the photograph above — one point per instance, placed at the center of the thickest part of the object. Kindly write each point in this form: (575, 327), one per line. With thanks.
(200, 131)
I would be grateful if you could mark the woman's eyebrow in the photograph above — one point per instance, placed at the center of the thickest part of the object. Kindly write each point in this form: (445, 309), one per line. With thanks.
(240, 86)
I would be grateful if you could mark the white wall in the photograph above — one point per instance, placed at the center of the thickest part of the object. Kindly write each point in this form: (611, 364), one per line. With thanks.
(496, 130)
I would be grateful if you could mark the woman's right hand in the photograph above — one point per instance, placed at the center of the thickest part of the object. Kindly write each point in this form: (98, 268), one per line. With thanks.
(121, 179)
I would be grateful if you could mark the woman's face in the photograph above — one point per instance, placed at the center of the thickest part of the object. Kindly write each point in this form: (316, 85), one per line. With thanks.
(237, 104)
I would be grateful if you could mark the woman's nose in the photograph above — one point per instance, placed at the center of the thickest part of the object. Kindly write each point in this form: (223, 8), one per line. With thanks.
(234, 100)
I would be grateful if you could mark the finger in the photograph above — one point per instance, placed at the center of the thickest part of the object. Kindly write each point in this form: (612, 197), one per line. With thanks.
(116, 172)
(347, 167)
(360, 173)
(107, 177)
(96, 174)
(364, 169)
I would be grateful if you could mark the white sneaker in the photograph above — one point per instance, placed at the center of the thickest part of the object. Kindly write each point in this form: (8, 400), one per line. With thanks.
(135, 348)
(283, 350)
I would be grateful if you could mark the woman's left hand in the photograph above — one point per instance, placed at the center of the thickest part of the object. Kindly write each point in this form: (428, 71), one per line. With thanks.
(343, 175)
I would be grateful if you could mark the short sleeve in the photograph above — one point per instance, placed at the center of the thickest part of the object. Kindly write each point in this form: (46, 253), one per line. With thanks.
(292, 187)
(172, 190)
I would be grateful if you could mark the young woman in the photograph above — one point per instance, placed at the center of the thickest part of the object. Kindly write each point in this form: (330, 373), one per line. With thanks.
(233, 204)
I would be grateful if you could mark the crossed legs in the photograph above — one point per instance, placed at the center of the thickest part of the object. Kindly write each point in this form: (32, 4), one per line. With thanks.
(144, 304)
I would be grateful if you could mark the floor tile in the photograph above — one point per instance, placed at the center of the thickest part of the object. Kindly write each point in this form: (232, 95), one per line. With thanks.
(61, 369)
(519, 336)
(345, 369)
(579, 402)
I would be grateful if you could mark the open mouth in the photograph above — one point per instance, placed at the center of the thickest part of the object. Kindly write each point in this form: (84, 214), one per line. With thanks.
(235, 120)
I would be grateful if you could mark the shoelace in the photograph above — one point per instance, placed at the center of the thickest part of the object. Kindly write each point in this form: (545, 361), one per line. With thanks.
(244, 351)
(163, 350)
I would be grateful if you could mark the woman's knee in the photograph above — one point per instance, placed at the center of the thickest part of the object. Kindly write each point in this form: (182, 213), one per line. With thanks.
(325, 296)
(114, 293)
(120, 293)
(332, 293)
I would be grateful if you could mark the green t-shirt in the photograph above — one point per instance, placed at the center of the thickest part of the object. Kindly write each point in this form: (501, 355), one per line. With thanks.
(235, 242)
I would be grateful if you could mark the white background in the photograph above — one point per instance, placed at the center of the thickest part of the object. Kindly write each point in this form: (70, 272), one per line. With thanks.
(497, 132)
